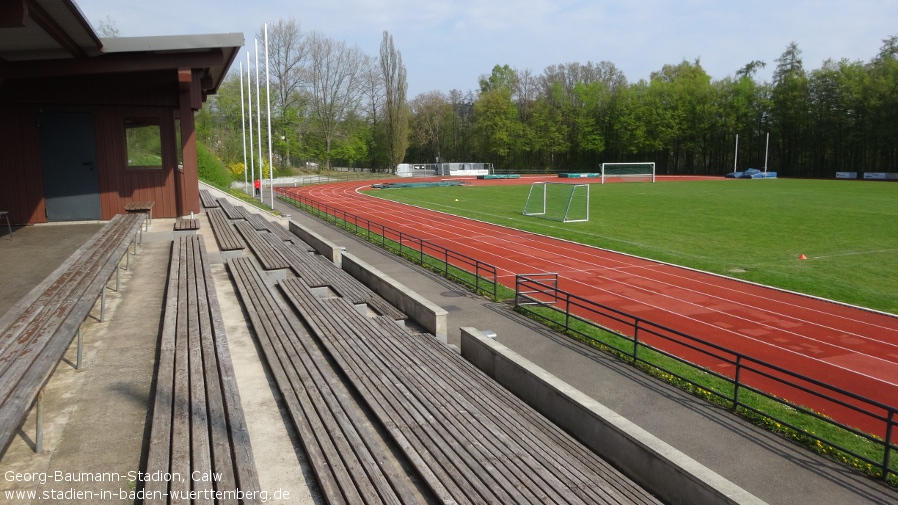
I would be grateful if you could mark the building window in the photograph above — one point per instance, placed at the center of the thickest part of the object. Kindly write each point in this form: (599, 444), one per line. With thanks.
(143, 141)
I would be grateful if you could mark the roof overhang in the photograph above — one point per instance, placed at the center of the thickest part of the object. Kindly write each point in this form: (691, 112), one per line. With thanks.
(52, 39)
(45, 30)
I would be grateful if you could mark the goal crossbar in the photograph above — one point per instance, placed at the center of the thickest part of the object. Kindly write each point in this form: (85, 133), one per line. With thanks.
(624, 170)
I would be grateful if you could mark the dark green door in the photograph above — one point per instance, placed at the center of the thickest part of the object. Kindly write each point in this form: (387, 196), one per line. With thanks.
(69, 166)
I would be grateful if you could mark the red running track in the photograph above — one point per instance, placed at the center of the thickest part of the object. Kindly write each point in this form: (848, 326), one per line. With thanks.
(847, 347)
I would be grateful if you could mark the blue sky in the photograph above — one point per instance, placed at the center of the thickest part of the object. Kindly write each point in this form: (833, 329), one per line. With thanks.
(449, 44)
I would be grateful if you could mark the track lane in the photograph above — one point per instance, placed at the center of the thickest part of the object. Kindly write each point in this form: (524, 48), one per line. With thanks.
(848, 347)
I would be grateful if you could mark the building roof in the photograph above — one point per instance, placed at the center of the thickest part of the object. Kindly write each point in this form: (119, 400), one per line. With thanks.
(52, 38)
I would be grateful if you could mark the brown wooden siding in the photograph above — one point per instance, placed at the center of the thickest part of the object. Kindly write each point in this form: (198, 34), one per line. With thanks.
(145, 93)
(21, 187)
(157, 89)
(120, 185)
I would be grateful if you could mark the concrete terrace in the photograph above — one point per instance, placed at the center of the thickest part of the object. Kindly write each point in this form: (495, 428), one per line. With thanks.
(97, 418)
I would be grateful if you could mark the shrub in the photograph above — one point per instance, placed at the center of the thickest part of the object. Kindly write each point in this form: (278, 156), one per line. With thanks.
(211, 169)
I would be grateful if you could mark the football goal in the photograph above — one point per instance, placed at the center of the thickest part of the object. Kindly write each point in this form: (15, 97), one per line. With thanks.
(629, 172)
(557, 201)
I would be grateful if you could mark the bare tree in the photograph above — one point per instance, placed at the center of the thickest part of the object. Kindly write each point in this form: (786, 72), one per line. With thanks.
(395, 108)
(336, 82)
(107, 28)
(374, 97)
(288, 55)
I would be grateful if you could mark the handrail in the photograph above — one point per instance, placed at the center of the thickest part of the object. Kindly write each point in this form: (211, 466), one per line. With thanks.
(748, 373)
(409, 246)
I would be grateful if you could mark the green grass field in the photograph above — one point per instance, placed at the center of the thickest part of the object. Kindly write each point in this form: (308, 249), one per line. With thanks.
(753, 230)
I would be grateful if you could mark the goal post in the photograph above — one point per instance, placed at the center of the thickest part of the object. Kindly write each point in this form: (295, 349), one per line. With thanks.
(557, 201)
(629, 172)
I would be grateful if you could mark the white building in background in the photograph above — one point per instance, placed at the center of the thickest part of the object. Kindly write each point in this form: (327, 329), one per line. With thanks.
(443, 169)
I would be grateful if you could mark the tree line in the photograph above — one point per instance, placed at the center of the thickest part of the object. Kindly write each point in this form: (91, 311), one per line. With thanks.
(334, 105)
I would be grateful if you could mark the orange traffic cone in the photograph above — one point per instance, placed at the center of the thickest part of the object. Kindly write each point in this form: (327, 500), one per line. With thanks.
(802, 257)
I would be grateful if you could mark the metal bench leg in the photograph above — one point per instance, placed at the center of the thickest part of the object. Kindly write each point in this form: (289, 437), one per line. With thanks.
(8, 224)
(78, 360)
(118, 276)
(39, 434)
(103, 305)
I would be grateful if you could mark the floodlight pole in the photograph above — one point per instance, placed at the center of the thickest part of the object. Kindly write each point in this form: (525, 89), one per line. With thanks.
(268, 99)
(252, 158)
(736, 157)
(766, 150)
(259, 125)
(243, 128)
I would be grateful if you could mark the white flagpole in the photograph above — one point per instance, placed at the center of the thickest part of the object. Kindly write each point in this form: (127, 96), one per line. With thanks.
(268, 99)
(243, 126)
(766, 150)
(249, 87)
(259, 122)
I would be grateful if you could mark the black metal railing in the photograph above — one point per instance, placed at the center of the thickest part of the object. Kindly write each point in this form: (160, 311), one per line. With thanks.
(744, 387)
(479, 276)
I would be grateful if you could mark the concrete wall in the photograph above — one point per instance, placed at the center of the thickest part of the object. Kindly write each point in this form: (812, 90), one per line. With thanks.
(422, 310)
(668, 473)
(321, 245)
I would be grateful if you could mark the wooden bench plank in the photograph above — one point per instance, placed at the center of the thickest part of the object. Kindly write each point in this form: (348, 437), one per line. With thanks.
(145, 207)
(199, 414)
(228, 239)
(159, 453)
(267, 255)
(229, 209)
(527, 462)
(304, 420)
(302, 372)
(187, 224)
(445, 489)
(37, 335)
(207, 199)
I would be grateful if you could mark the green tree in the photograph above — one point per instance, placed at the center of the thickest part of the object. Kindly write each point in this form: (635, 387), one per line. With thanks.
(497, 125)
(790, 110)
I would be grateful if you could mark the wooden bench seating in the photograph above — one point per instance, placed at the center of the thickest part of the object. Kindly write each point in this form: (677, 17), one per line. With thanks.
(228, 239)
(257, 221)
(198, 423)
(229, 209)
(187, 224)
(348, 457)
(143, 208)
(207, 199)
(267, 254)
(470, 440)
(36, 332)
(261, 224)
(317, 271)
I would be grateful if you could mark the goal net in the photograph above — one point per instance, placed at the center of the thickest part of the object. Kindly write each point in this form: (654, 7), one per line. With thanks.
(556, 201)
(628, 172)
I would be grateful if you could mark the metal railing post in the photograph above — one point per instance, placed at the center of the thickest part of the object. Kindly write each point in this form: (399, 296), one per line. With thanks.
(886, 459)
(737, 383)
(567, 310)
